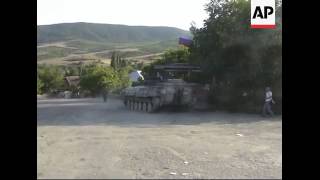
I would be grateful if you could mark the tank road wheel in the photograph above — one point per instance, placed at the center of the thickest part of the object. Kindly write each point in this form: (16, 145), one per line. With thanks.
(141, 106)
(155, 103)
(148, 106)
(125, 101)
(133, 103)
(136, 105)
(144, 107)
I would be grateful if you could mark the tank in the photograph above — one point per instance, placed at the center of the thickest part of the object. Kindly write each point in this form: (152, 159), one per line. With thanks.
(162, 92)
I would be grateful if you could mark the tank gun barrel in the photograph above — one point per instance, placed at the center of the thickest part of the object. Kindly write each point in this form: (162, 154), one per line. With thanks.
(178, 67)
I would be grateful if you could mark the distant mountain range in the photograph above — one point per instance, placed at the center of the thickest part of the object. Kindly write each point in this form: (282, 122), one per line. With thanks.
(106, 33)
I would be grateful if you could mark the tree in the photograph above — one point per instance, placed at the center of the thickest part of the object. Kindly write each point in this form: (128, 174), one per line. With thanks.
(117, 62)
(180, 55)
(239, 58)
(124, 80)
(95, 78)
(52, 78)
(113, 58)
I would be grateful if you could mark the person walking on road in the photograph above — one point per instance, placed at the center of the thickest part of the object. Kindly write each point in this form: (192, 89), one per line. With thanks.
(267, 103)
(104, 94)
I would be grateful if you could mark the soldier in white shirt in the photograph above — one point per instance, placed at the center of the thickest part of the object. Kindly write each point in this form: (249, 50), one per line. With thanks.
(267, 104)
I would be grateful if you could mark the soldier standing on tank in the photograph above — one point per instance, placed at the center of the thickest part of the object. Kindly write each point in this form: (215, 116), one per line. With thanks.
(267, 103)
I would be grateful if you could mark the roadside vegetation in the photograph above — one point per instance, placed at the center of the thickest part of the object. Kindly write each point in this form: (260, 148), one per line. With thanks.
(94, 77)
(237, 62)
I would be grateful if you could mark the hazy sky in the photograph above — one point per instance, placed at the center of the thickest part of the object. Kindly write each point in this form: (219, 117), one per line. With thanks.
(175, 13)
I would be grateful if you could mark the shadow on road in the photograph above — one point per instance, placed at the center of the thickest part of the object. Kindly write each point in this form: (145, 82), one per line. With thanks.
(94, 112)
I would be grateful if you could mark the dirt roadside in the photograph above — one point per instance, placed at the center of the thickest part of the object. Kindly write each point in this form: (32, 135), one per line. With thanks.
(86, 138)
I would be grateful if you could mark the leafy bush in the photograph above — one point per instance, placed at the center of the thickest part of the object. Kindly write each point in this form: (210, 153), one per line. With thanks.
(51, 78)
(180, 55)
(96, 78)
(240, 59)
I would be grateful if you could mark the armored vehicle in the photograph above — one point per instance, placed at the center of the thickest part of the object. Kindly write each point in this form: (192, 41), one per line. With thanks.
(164, 90)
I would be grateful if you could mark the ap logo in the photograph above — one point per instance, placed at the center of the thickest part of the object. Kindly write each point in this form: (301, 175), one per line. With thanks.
(263, 14)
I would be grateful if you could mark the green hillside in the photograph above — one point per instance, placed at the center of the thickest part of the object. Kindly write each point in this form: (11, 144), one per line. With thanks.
(60, 42)
(105, 33)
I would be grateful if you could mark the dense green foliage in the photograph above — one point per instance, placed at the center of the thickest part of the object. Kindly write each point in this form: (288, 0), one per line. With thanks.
(117, 62)
(238, 61)
(105, 33)
(180, 55)
(123, 75)
(50, 79)
(95, 78)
